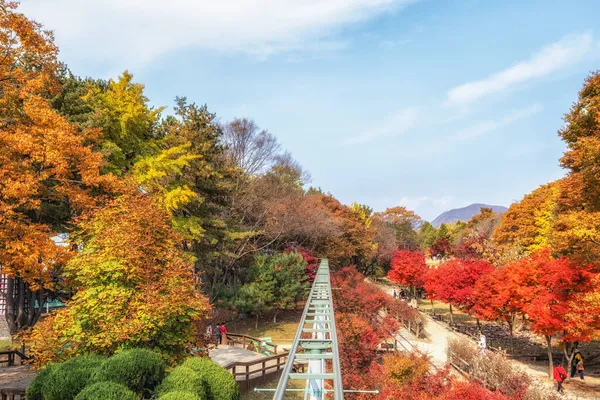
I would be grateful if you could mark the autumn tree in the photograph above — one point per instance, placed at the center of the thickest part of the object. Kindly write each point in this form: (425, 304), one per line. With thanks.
(528, 224)
(404, 223)
(49, 172)
(127, 121)
(558, 282)
(499, 296)
(134, 287)
(408, 268)
(576, 230)
(453, 282)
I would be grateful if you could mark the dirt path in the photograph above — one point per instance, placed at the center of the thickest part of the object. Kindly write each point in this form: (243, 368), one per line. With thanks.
(436, 343)
(16, 377)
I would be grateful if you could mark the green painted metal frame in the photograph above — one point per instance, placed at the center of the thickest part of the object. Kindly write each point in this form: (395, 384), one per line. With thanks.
(319, 304)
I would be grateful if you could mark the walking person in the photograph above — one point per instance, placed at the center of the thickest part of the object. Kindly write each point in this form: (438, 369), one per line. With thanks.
(482, 342)
(209, 333)
(577, 365)
(218, 333)
(559, 376)
(394, 294)
(223, 333)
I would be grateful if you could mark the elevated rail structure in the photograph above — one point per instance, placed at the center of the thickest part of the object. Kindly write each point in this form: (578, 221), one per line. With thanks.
(315, 341)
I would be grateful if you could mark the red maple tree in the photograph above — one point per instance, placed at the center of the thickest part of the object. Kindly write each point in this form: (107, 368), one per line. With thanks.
(453, 282)
(408, 268)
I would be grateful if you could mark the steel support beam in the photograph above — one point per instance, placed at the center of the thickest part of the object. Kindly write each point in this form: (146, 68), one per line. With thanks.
(320, 347)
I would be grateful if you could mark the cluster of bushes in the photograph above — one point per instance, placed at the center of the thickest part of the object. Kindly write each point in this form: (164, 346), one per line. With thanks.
(132, 375)
(497, 373)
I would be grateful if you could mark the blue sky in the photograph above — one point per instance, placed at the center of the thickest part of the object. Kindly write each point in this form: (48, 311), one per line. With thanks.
(430, 104)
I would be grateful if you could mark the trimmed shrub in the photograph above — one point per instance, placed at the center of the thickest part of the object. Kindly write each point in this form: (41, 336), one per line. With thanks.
(179, 396)
(183, 379)
(221, 384)
(138, 369)
(64, 381)
(35, 390)
(106, 391)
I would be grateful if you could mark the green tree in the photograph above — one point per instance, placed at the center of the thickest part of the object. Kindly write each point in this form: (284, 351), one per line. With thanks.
(427, 235)
(276, 282)
(188, 172)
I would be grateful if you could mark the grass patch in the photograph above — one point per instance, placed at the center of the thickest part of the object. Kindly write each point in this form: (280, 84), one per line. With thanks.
(5, 345)
(292, 384)
(282, 331)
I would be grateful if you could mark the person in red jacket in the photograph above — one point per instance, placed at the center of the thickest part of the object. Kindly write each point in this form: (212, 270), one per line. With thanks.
(559, 375)
(223, 333)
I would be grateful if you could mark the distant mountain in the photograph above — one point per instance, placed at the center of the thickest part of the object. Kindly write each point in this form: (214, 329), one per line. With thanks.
(464, 214)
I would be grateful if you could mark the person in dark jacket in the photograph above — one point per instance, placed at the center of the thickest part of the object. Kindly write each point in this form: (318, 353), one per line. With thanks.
(559, 375)
(577, 365)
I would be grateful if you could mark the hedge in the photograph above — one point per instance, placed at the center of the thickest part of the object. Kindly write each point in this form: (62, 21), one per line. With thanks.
(35, 390)
(138, 369)
(64, 381)
(221, 384)
(179, 396)
(106, 391)
(183, 379)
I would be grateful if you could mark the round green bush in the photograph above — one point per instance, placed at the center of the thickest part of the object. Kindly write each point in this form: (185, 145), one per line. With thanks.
(221, 384)
(179, 396)
(65, 380)
(138, 369)
(183, 379)
(106, 391)
(35, 390)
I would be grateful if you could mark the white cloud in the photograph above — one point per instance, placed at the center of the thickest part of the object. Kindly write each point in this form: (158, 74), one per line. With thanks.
(137, 31)
(561, 54)
(393, 125)
(481, 128)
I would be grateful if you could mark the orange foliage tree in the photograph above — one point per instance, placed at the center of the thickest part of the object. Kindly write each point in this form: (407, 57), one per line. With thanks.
(576, 231)
(134, 287)
(48, 169)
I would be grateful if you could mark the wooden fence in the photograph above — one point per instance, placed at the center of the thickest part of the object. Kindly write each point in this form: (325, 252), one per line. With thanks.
(9, 357)
(247, 342)
(255, 370)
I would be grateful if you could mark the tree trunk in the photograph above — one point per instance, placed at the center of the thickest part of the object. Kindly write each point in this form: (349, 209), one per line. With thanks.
(256, 322)
(9, 312)
(275, 315)
(21, 316)
(451, 314)
(478, 325)
(569, 355)
(512, 336)
(550, 361)
(432, 308)
(21, 311)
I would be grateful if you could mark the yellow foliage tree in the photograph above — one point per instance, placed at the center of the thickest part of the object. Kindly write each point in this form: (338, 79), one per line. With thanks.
(134, 287)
